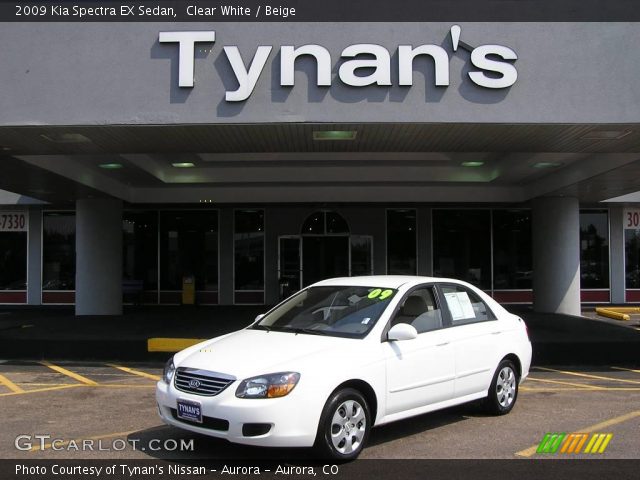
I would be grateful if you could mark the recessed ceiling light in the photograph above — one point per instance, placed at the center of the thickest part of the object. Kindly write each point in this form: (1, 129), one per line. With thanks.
(111, 166)
(183, 165)
(606, 134)
(66, 138)
(334, 135)
(546, 165)
(472, 164)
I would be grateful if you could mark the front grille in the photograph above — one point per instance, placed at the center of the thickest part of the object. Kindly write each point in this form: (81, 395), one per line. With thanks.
(202, 382)
(211, 423)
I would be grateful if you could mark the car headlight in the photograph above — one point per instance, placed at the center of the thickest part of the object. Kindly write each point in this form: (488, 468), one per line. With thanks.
(169, 370)
(273, 385)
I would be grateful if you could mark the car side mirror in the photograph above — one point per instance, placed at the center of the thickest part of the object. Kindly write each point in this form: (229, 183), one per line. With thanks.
(259, 317)
(402, 331)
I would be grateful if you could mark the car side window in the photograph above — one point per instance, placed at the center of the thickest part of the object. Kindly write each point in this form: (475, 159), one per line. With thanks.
(465, 306)
(420, 310)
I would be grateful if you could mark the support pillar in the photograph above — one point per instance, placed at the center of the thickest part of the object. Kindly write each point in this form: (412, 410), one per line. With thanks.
(617, 255)
(98, 257)
(556, 255)
(34, 254)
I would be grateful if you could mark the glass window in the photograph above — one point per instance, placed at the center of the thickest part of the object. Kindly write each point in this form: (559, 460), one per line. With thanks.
(361, 252)
(140, 248)
(465, 306)
(249, 250)
(512, 255)
(325, 223)
(13, 261)
(338, 311)
(420, 310)
(401, 242)
(314, 224)
(335, 223)
(58, 251)
(462, 246)
(594, 249)
(632, 258)
(189, 247)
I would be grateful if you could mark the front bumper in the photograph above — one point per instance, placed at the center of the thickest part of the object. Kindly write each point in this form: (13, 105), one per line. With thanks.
(293, 419)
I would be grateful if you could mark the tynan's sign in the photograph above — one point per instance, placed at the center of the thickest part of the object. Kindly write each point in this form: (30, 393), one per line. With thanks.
(493, 63)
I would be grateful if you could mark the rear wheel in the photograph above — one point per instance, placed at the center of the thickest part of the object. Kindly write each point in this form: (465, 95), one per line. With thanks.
(344, 426)
(503, 391)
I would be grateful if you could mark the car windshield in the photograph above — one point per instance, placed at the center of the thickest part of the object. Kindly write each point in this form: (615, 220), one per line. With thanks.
(339, 311)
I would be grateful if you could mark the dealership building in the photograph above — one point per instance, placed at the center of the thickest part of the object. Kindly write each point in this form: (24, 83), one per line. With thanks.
(257, 158)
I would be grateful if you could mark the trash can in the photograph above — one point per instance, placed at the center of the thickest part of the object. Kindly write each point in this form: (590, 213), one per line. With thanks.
(188, 290)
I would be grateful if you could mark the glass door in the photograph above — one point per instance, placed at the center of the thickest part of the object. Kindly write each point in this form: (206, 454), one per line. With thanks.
(289, 265)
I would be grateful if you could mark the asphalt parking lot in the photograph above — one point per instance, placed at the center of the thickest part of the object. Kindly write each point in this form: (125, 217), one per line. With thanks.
(111, 407)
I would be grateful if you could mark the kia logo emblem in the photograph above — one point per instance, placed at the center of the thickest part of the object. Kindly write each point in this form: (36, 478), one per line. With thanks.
(194, 383)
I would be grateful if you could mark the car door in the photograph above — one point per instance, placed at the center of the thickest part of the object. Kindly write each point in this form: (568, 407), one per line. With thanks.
(475, 333)
(420, 371)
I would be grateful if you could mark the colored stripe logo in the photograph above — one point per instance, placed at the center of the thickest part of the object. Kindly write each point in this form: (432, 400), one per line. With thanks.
(573, 443)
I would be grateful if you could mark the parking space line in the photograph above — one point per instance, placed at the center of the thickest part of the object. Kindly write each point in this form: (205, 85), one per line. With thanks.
(46, 446)
(135, 372)
(626, 369)
(587, 375)
(10, 385)
(528, 452)
(37, 390)
(580, 385)
(68, 373)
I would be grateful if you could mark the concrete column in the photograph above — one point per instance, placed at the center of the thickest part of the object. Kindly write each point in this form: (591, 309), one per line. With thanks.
(616, 255)
(98, 257)
(34, 257)
(556, 255)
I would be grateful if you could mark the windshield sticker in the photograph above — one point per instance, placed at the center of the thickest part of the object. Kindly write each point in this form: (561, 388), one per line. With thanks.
(366, 320)
(459, 305)
(353, 299)
(380, 294)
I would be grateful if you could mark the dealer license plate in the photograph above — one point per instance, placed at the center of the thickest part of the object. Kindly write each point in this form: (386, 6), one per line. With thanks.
(190, 411)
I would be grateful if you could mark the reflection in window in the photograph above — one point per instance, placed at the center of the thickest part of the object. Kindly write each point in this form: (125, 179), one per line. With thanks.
(189, 247)
(594, 249)
(140, 248)
(58, 251)
(249, 253)
(13, 261)
(325, 223)
(632, 258)
(512, 249)
(361, 252)
(462, 246)
(401, 242)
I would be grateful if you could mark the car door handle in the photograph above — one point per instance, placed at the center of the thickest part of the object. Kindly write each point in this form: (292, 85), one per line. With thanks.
(442, 344)
(496, 333)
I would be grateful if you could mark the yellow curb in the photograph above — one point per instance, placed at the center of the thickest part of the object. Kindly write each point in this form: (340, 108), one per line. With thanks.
(171, 344)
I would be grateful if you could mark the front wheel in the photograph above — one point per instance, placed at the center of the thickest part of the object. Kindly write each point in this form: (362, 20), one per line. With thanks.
(344, 426)
(503, 391)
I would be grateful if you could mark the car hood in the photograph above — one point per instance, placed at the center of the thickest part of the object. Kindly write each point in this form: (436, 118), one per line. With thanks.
(255, 352)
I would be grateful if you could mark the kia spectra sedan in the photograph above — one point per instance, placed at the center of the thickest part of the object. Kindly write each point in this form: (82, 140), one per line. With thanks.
(345, 355)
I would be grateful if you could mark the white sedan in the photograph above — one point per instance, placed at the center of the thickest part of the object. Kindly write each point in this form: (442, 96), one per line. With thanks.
(344, 355)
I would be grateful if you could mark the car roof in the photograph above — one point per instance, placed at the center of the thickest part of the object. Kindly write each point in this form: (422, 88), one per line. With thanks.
(383, 281)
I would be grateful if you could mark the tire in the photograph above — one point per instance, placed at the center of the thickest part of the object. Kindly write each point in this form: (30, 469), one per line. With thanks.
(503, 391)
(344, 426)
